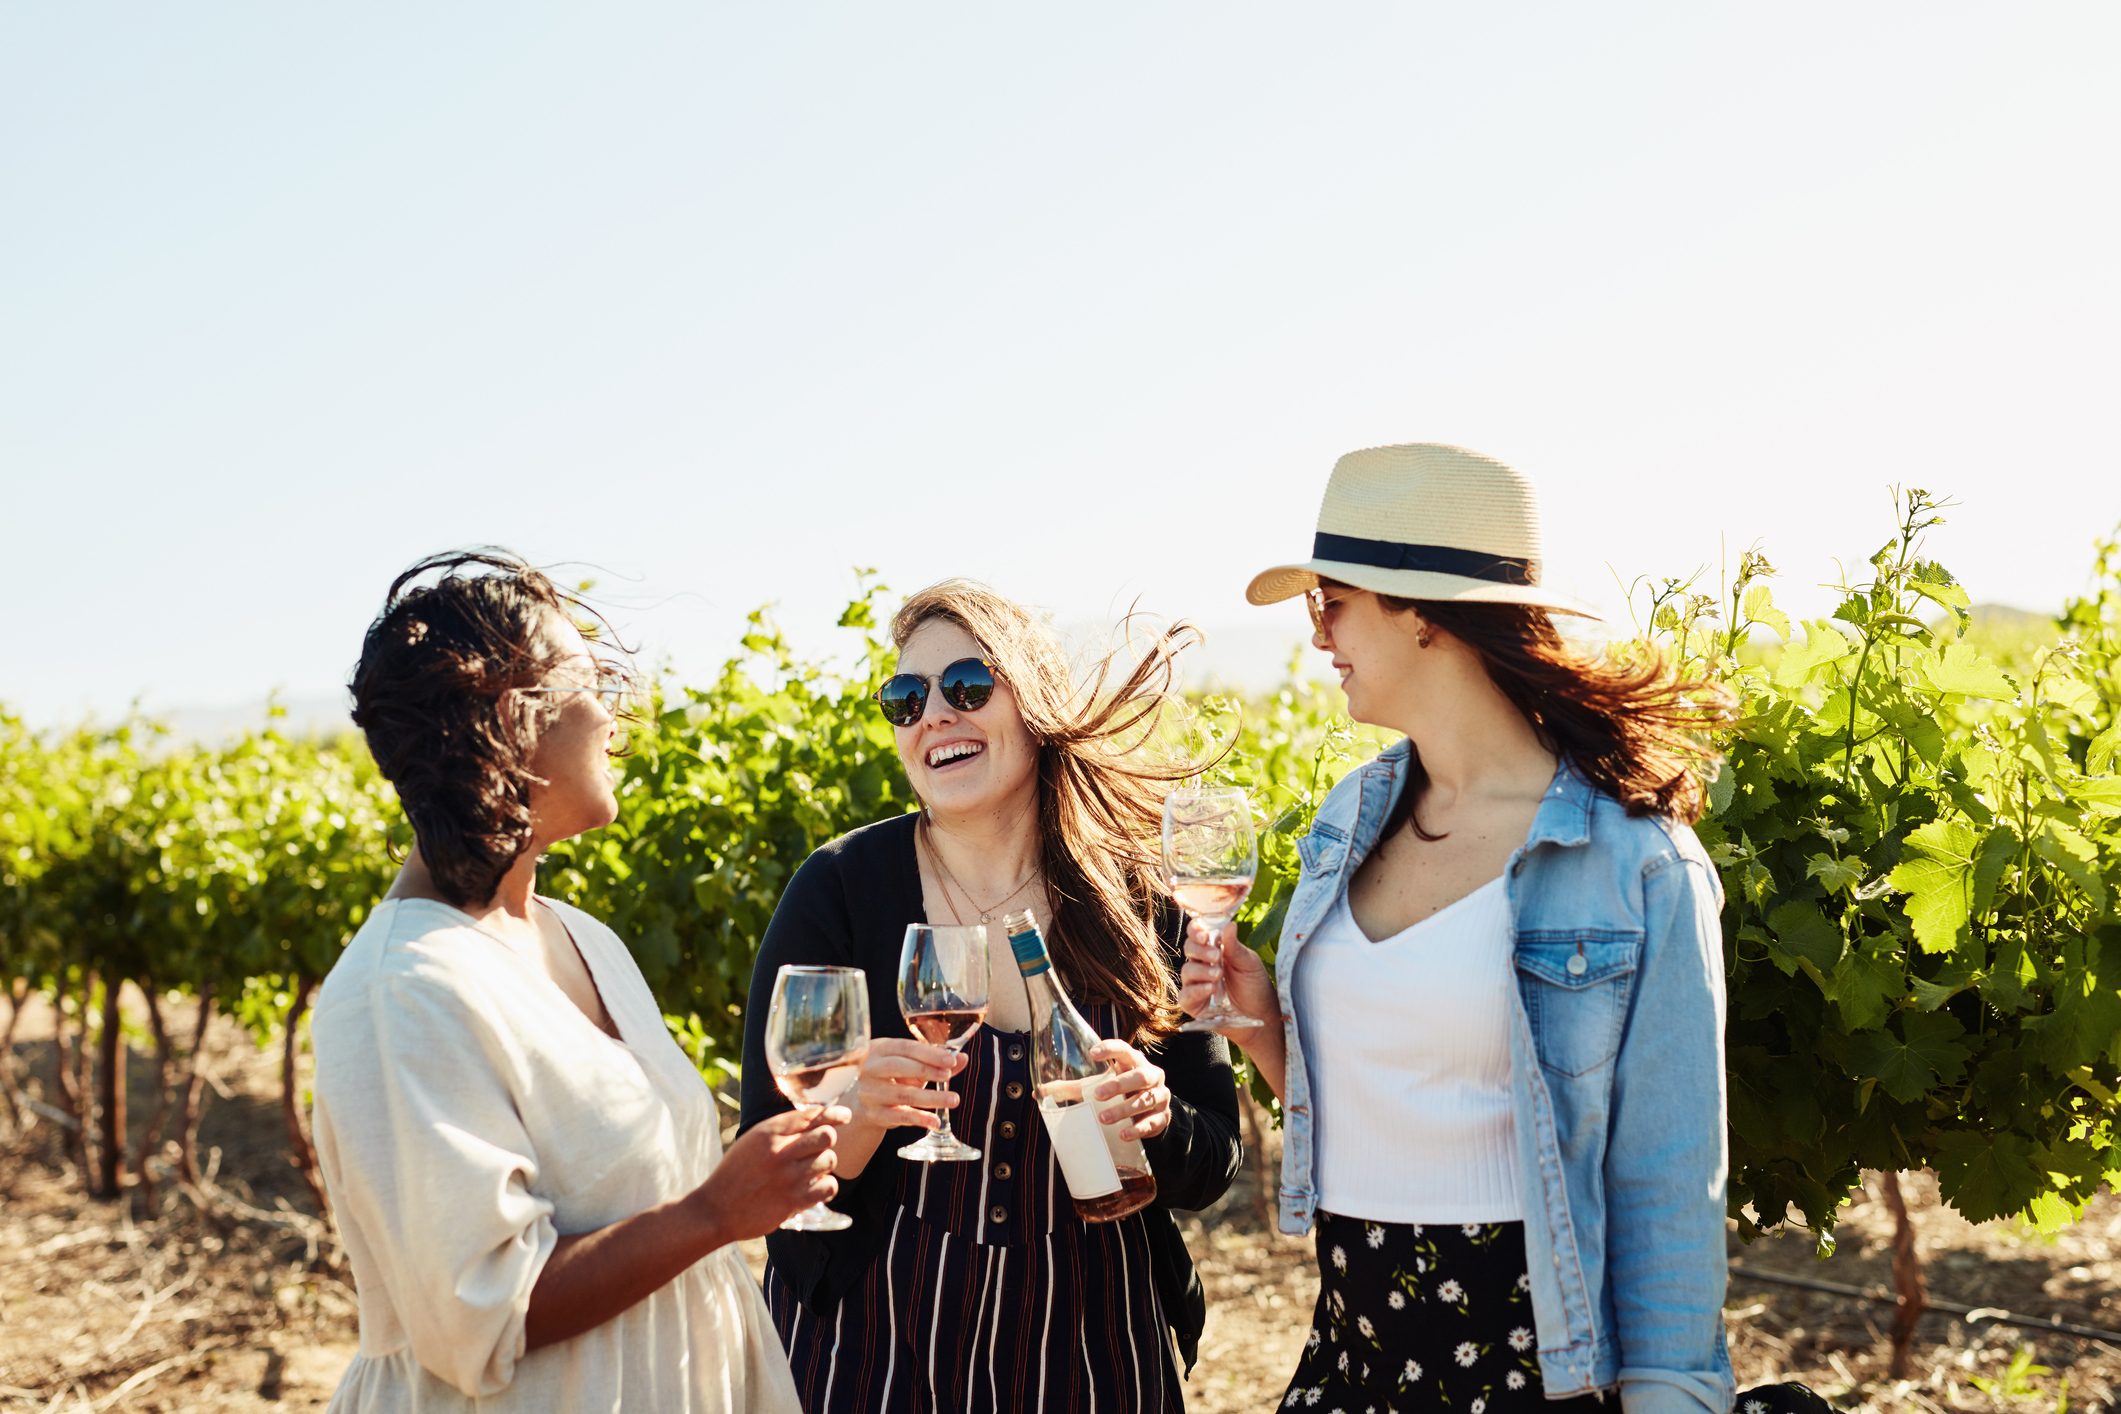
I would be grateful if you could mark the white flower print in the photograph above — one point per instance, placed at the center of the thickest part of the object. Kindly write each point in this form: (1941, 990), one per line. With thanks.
(1376, 1238)
(1397, 1300)
(1344, 1362)
(1479, 1405)
(1524, 1281)
(1362, 1323)
(1450, 1291)
(1310, 1397)
(1413, 1372)
(1417, 1229)
(1466, 1353)
(1515, 1379)
(1311, 1341)
(1340, 1258)
(1421, 1264)
(1470, 1229)
(1756, 1406)
(1520, 1339)
(1290, 1402)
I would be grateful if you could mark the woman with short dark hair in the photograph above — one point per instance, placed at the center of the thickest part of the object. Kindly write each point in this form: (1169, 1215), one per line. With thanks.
(526, 1170)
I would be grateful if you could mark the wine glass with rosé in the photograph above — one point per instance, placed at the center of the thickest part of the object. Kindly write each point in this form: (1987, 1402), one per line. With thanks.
(817, 1036)
(1210, 857)
(942, 988)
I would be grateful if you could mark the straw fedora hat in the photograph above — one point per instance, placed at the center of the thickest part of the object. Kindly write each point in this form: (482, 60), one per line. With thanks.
(1424, 521)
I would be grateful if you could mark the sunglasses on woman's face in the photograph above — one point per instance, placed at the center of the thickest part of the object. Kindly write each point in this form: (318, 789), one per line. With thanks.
(1322, 606)
(965, 685)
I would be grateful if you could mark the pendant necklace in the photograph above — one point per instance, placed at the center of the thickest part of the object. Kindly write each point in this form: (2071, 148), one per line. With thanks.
(986, 915)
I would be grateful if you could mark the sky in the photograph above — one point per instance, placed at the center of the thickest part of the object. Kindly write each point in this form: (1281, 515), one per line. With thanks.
(714, 303)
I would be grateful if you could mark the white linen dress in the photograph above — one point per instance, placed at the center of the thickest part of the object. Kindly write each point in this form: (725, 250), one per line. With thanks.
(468, 1115)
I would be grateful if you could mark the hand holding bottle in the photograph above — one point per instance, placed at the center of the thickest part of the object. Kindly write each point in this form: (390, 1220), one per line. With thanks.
(1135, 1098)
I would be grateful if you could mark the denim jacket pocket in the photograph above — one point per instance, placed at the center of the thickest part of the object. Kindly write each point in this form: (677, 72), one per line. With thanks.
(1576, 985)
(1322, 851)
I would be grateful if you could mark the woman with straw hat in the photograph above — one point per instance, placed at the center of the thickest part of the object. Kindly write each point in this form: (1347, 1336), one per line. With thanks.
(1497, 1028)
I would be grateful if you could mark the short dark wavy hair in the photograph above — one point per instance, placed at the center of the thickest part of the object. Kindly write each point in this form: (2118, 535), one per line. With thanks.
(432, 695)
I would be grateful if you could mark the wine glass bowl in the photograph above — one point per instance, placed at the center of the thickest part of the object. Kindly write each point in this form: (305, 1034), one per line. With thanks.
(817, 1036)
(942, 989)
(1210, 857)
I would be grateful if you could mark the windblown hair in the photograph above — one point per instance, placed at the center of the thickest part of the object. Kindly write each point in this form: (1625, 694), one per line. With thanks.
(432, 695)
(1630, 723)
(1101, 786)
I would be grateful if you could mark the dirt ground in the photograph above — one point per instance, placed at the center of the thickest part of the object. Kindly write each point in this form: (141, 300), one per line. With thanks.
(240, 1310)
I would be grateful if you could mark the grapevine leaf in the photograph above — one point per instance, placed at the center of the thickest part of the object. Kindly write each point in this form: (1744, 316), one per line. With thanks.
(1927, 1052)
(2099, 756)
(1759, 606)
(1723, 787)
(1987, 1176)
(1962, 669)
(1937, 880)
(2102, 797)
(1804, 932)
(1835, 874)
(2084, 1026)
(1862, 987)
(1823, 643)
(1995, 856)
(2073, 854)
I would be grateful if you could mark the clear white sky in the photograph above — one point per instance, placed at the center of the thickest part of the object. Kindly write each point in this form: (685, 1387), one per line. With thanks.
(1081, 299)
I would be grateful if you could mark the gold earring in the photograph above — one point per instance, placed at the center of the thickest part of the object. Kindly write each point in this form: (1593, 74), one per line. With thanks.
(1421, 636)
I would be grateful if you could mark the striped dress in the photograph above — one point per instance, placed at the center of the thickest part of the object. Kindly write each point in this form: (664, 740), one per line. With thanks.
(990, 1295)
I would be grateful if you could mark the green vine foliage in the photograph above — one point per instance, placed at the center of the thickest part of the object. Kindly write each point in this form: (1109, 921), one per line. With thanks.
(1915, 822)
(1918, 843)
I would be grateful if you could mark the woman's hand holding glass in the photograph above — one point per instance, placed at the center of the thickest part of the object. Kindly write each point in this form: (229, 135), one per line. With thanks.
(896, 1089)
(1135, 1098)
(1244, 978)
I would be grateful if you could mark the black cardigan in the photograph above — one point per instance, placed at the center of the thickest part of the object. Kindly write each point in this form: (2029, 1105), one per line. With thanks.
(849, 905)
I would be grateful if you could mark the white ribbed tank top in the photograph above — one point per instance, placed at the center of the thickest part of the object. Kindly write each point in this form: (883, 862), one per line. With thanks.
(1407, 1040)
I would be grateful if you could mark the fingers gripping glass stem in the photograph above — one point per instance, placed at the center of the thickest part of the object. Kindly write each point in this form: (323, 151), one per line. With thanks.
(817, 1036)
(1210, 857)
(942, 988)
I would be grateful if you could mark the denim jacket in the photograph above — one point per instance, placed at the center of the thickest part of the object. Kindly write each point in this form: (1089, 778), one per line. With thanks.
(1617, 1081)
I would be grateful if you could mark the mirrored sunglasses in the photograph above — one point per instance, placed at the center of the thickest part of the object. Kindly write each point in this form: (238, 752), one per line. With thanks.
(966, 685)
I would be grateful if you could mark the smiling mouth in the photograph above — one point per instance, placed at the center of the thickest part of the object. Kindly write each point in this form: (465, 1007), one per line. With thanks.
(953, 751)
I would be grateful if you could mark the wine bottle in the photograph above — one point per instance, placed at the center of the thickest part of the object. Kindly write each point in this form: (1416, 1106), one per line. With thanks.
(1108, 1176)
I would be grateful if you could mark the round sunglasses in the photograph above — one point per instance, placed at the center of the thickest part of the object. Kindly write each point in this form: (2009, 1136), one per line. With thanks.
(966, 685)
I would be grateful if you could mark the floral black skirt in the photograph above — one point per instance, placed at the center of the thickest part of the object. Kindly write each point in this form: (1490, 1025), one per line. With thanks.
(1414, 1317)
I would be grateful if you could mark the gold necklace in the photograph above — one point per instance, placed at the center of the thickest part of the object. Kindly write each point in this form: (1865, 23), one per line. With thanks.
(986, 915)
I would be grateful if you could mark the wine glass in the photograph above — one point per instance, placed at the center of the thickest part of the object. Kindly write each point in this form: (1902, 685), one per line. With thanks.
(942, 988)
(1210, 856)
(817, 1035)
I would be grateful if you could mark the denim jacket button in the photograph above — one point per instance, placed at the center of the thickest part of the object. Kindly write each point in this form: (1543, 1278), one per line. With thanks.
(1577, 965)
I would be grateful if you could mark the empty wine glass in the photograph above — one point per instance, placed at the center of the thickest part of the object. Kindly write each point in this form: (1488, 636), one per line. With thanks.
(817, 1036)
(942, 988)
(1210, 856)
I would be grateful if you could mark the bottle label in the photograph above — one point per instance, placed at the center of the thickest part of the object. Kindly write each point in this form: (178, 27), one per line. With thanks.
(1030, 950)
(1079, 1144)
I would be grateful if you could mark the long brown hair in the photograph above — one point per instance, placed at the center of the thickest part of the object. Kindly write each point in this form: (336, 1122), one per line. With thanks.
(1101, 785)
(1631, 724)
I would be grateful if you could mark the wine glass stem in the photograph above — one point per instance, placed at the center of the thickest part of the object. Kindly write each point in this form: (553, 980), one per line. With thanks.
(942, 1130)
(1220, 1002)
